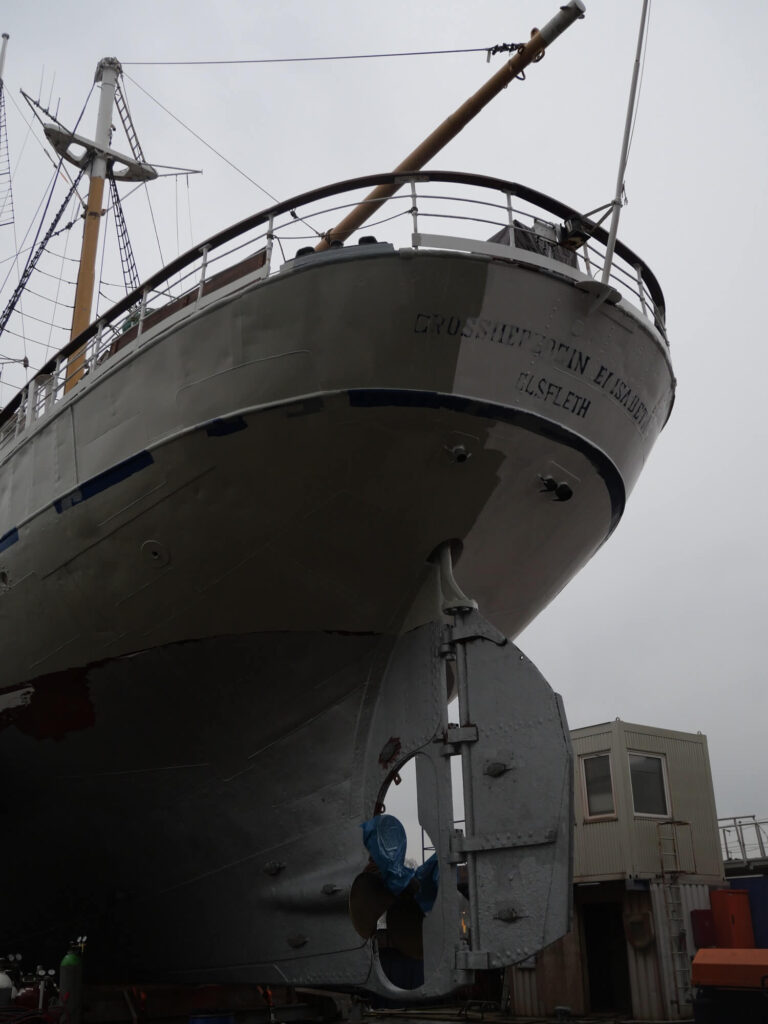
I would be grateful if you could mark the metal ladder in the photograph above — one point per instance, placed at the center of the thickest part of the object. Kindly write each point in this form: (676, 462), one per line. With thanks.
(6, 191)
(669, 857)
(130, 131)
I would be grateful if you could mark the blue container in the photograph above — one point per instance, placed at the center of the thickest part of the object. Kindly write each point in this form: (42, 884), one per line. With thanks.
(757, 887)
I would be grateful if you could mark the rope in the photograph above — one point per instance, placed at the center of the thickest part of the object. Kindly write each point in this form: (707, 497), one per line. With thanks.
(45, 211)
(214, 150)
(500, 48)
(200, 139)
(154, 224)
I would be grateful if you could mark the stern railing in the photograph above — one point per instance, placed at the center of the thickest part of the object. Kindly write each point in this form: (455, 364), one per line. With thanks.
(743, 839)
(433, 210)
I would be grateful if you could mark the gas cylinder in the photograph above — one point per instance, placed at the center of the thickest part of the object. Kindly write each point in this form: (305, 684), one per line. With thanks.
(6, 985)
(71, 984)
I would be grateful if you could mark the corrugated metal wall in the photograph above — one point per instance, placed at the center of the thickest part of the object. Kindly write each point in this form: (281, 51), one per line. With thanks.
(644, 970)
(524, 995)
(555, 980)
(693, 897)
(560, 970)
(598, 850)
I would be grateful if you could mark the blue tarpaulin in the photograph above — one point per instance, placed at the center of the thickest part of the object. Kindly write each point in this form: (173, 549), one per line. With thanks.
(385, 840)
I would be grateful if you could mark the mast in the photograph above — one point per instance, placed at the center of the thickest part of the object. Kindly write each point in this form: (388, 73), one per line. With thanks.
(106, 72)
(450, 128)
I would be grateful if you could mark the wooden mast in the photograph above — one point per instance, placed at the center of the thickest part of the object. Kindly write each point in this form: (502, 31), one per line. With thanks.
(107, 73)
(442, 135)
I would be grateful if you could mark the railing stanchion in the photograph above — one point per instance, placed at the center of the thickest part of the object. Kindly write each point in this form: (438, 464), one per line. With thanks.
(759, 836)
(142, 311)
(56, 374)
(641, 290)
(511, 219)
(31, 399)
(97, 342)
(270, 244)
(21, 414)
(414, 211)
(203, 267)
(587, 261)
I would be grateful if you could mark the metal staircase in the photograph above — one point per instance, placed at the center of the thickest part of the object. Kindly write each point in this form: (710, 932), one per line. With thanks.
(671, 869)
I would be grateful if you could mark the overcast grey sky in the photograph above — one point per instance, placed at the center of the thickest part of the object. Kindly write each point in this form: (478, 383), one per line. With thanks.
(666, 625)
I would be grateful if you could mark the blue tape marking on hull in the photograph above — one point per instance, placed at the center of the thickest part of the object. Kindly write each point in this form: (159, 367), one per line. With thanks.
(9, 538)
(104, 480)
(224, 427)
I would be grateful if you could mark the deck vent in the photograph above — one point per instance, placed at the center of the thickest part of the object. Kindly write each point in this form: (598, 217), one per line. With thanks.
(367, 240)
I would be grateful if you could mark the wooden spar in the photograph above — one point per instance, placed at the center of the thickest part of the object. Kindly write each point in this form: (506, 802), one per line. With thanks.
(107, 72)
(450, 128)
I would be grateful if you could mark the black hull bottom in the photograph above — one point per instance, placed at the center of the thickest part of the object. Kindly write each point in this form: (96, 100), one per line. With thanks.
(186, 798)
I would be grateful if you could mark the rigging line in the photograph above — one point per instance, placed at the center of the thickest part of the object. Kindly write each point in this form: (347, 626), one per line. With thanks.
(303, 60)
(47, 298)
(103, 254)
(32, 261)
(200, 139)
(178, 237)
(221, 156)
(48, 203)
(176, 211)
(21, 252)
(32, 104)
(189, 213)
(154, 225)
(47, 323)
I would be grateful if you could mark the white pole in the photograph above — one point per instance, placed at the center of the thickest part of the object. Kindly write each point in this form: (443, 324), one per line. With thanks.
(624, 150)
(2, 55)
(106, 72)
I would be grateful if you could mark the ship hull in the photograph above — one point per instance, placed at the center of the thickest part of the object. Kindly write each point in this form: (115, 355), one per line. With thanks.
(210, 549)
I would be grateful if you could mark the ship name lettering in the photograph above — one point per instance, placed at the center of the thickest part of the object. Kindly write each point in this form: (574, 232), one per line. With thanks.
(547, 391)
(561, 354)
(479, 328)
(623, 393)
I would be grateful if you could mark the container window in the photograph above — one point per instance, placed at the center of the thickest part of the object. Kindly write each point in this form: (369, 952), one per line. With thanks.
(649, 794)
(597, 785)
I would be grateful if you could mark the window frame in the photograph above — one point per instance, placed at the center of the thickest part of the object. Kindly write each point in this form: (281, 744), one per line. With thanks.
(664, 781)
(606, 815)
